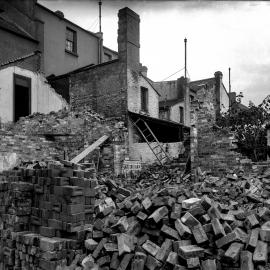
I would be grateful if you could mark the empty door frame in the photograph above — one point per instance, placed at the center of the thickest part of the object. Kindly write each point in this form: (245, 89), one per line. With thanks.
(27, 83)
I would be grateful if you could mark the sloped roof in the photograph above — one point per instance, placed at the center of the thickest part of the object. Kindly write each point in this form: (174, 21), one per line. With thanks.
(240, 106)
(12, 27)
(150, 82)
(17, 59)
(195, 85)
(266, 104)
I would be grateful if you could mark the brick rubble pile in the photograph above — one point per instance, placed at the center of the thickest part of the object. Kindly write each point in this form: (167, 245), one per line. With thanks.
(61, 217)
(48, 136)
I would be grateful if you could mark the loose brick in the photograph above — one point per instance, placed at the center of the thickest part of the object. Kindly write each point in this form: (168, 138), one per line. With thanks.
(246, 262)
(199, 234)
(182, 229)
(164, 250)
(170, 232)
(172, 258)
(151, 248)
(190, 251)
(260, 254)
(233, 252)
(159, 214)
(152, 263)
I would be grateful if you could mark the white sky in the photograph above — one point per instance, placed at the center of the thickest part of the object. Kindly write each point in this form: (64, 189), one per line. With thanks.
(220, 35)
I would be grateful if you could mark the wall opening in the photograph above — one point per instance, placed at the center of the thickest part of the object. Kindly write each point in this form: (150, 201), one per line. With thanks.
(181, 112)
(22, 96)
(144, 99)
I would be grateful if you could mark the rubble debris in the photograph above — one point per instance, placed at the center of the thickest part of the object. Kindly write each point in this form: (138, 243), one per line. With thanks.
(59, 216)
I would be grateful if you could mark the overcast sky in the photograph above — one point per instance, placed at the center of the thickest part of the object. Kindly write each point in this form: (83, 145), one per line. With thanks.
(220, 35)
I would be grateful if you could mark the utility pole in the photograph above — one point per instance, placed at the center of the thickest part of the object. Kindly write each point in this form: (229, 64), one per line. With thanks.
(100, 40)
(100, 3)
(229, 90)
(185, 40)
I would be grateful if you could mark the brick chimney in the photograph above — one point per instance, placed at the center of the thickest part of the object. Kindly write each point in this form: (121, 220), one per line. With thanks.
(144, 70)
(129, 38)
(218, 78)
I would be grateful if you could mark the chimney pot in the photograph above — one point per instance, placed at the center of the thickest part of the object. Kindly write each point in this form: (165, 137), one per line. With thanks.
(59, 14)
(218, 74)
(144, 70)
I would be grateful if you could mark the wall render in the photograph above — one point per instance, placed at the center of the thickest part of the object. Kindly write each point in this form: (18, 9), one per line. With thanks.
(44, 99)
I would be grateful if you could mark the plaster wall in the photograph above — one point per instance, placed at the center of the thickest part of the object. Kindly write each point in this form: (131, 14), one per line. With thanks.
(175, 112)
(224, 99)
(56, 60)
(167, 90)
(44, 99)
(135, 82)
(141, 151)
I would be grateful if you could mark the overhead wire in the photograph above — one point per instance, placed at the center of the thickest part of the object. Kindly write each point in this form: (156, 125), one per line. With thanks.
(173, 74)
(93, 24)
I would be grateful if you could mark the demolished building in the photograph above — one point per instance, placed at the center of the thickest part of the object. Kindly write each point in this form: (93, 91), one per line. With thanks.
(120, 88)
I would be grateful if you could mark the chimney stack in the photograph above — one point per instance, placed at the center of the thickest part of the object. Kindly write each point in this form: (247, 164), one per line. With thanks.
(129, 38)
(218, 77)
(144, 70)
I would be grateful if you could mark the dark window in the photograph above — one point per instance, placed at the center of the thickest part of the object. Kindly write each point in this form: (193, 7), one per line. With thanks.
(181, 111)
(164, 114)
(144, 99)
(71, 40)
(22, 96)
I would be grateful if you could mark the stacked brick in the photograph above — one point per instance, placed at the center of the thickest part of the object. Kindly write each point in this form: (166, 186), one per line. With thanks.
(45, 215)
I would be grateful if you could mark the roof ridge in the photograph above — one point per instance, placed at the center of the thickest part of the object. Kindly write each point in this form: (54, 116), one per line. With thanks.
(197, 81)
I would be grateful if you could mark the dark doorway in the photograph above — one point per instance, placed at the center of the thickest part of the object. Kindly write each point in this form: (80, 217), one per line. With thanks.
(22, 96)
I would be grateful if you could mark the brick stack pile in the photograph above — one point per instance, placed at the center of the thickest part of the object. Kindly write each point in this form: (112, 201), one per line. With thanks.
(63, 200)
(163, 225)
(45, 215)
(15, 203)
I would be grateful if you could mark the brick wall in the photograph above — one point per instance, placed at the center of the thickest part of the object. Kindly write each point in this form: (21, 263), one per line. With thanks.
(102, 87)
(212, 149)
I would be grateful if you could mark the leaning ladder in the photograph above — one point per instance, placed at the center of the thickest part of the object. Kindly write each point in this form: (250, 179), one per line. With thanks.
(155, 146)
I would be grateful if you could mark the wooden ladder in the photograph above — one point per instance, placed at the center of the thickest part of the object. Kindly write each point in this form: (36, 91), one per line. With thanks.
(154, 144)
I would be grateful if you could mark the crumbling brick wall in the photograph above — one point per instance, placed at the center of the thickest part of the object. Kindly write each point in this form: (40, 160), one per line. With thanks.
(59, 135)
(212, 148)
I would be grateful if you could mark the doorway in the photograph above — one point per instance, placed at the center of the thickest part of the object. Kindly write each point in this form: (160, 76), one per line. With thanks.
(22, 96)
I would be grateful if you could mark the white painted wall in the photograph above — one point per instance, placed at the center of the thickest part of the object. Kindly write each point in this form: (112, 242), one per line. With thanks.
(135, 81)
(175, 112)
(224, 99)
(141, 151)
(44, 99)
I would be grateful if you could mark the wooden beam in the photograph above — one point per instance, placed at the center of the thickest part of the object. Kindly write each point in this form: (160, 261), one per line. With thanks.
(89, 149)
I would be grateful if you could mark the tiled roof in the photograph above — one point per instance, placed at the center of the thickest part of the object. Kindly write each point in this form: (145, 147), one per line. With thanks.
(13, 60)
